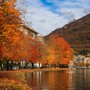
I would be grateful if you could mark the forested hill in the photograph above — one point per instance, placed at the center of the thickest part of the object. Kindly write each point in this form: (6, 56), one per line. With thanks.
(77, 33)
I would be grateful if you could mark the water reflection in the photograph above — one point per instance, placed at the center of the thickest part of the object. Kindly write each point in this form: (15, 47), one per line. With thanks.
(83, 79)
(59, 80)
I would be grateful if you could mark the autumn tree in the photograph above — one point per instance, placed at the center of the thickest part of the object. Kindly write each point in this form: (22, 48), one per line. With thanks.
(35, 51)
(9, 23)
(59, 51)
(26, 48)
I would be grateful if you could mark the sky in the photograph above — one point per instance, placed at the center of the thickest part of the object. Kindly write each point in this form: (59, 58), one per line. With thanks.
(45, 16)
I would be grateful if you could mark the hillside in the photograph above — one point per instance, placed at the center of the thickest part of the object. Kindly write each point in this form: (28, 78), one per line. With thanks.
(77, 33)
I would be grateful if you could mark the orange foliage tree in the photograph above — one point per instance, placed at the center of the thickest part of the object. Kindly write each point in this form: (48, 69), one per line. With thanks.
(14, 45)
(35, 52)
(10, 21)
(59, 51)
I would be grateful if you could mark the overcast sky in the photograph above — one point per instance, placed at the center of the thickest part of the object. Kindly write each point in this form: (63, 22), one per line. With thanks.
(47, 15)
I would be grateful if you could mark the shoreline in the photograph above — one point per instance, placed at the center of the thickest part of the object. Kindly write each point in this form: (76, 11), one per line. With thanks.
(35, 70)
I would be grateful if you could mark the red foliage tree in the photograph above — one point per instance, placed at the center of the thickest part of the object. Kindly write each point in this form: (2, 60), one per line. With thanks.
(35, 51)
(59, 51)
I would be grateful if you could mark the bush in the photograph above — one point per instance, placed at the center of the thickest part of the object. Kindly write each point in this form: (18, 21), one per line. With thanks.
(10, 84)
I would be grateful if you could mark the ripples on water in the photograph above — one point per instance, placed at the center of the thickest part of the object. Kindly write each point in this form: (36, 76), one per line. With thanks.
(78, 79)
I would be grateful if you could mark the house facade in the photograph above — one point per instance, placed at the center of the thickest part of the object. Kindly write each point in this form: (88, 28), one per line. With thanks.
(29, 31)
(82, 61)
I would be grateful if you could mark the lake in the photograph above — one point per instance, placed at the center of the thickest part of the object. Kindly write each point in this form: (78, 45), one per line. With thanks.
(78, 79)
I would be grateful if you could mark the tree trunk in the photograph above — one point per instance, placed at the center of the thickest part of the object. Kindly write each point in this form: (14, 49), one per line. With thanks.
(19, 65)
(39, 65)
(1, 65)
(7, 64)
(60, 66)
(26, 65)
(45, 65)
(32, 65)
(51, 65)
(11, 65)
(54, 65)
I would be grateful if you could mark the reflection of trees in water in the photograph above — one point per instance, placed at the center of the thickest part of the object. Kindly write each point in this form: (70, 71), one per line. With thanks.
(33, 80)
(50, 80)
(78, 79)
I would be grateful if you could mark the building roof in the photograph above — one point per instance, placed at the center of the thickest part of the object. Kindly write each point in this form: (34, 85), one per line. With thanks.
(30, 29)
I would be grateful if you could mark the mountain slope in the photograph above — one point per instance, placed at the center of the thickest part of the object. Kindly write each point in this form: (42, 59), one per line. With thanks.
(77, 33)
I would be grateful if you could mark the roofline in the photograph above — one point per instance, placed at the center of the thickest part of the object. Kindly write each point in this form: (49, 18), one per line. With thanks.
(30, 29)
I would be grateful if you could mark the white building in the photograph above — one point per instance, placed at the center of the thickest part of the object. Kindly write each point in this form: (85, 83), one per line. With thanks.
(29, 31)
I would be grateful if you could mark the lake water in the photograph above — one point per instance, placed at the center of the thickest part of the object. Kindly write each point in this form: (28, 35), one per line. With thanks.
(78, 79)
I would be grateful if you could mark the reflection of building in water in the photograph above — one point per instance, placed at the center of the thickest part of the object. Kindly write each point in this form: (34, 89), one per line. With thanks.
(72, 79)
(82, 79)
